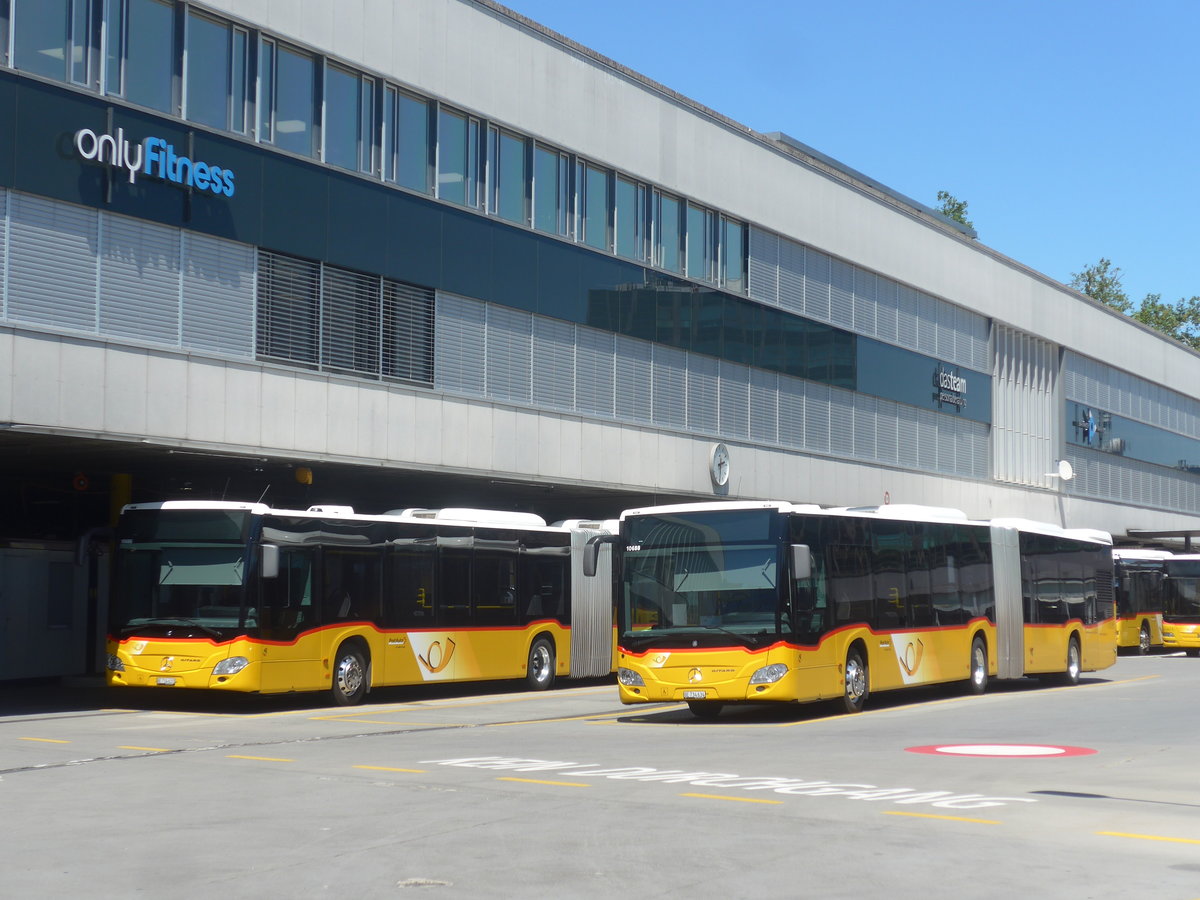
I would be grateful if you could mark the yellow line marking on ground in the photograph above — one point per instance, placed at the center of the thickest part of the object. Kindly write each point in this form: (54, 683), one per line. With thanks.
(889, 812)
(261, 758)
(538, 781)
(1149, 837)
(148, 749)
(733, 799)
(390, 769)
(45, 740)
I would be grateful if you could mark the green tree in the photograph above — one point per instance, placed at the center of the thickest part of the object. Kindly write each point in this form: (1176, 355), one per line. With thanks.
(953, 208)
(1102, 282)
(1180, 321)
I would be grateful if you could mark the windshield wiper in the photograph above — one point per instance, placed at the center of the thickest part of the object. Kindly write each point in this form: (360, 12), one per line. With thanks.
(173, 620)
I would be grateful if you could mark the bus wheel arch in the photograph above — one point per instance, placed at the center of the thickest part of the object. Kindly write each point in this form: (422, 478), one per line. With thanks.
(977, 678)
(856, 678)
(351, 676)
(540, 668)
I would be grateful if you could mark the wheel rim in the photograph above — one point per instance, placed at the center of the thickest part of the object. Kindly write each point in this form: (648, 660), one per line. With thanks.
(539, 664)
(979, 668)
(1073, 660)
(349, 675)
(856, 680)
(1144, 641)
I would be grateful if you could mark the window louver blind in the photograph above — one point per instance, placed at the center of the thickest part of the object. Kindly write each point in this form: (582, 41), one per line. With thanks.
(139, 280)
(289, 292)
(350, 321)
(407, 332)
(52, 263)
(218, 295)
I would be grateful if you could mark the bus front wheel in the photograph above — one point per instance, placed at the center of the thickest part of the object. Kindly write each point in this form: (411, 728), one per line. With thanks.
(1144, 640)
(349, 677)
(540, 672)
(854, 697)
(1074, 663)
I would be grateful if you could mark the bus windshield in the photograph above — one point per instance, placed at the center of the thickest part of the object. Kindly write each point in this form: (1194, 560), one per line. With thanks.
(181, 575)
(1181, 591)
(708, 576)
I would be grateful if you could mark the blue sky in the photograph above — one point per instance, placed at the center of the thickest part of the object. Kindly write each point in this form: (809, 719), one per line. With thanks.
(1070, 127)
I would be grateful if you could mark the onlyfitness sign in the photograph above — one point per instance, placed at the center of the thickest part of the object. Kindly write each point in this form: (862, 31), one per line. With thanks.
(154, 158)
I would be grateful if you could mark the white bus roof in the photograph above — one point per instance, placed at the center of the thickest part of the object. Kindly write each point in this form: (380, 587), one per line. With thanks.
(1138, 553)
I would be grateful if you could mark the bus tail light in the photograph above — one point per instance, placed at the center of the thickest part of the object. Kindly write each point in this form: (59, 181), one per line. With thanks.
(769, 674)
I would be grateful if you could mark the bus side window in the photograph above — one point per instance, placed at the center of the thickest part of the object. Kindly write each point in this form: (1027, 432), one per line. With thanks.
(286, 600)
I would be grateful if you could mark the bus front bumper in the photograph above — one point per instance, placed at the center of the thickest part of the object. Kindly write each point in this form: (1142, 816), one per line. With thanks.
(1181, 637)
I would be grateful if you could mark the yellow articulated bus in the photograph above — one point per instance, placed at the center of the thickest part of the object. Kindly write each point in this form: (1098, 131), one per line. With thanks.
(1140, 577)
(242, 597)
(735, 602)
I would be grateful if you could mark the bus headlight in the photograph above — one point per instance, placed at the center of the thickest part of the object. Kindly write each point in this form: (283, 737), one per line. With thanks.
(114, 664)
(231, 666)
(629, 678)
(769, 674)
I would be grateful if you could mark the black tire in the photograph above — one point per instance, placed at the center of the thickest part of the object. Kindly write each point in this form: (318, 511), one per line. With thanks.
(539, 674)
(1143, 646)
(1192, 652)
(705, 709)
(977, 681)
(1074, 664)
(857, 682)
(349, 676)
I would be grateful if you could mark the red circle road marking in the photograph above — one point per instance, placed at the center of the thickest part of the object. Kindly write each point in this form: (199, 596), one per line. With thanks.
(1002, 751)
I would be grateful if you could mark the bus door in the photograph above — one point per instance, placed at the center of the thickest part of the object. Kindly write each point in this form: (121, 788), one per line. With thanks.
(285, 611)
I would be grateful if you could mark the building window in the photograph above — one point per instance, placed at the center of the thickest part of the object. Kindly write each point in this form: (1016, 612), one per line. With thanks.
(733, 255)
(701, 243)
(407, 332)
(550, 172)
(506, 176)
(215, 74)
(349, 119)
(591, 206)
(458, 158)
(350, 321)
(286, 98)
(630, 219)
(4, 32)
(288, 308)
(406, 140)
(667, 233)
(50, 38)
(139, 61)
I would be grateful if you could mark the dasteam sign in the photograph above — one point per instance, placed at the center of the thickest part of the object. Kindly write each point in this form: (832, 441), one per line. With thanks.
(154, 158)
(950, 388)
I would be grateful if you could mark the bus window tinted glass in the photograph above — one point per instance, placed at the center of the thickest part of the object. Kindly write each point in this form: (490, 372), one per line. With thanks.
(41, 37)
(208, 68)
(293, 101)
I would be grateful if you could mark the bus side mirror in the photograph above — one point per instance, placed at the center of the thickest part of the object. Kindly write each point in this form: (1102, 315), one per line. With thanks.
(591, 552)
(270, 561)
(801, 562)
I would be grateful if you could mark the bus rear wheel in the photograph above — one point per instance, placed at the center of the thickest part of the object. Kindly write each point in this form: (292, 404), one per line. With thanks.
(978, 680)
(539, 675)
(854, 697)
(349, 677)
(705, 709)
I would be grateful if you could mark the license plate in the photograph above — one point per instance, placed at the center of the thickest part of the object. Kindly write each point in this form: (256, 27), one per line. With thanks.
(165, 682)
(694, 695)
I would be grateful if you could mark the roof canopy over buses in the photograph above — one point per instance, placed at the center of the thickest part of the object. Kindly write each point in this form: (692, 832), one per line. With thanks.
(732, 602)
(242, 597)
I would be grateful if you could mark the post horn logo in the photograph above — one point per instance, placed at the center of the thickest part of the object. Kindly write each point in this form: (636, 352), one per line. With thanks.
(695, 675)
(436, 660)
